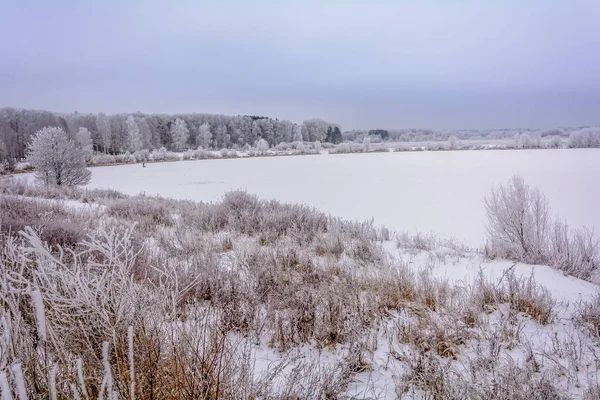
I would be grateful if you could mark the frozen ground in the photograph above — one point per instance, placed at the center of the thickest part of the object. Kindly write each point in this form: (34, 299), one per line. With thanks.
(438, 192)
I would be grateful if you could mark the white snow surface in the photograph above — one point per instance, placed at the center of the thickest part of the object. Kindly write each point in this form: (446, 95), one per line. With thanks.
(440, 192)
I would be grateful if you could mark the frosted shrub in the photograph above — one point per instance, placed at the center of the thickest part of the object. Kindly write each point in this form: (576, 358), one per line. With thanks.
(576, 252)
(518, 221)
(103, 159)
(367, 143)
(142, 155)
(525, 141)
(130, 158)
(262, 147)
(342, 148)
(201, 154)
(227, 153)
(188, 154)
(159, 154)
(317, 146)
(519, 227)
(50, 220)
(555, 142)
(453, 142)
(584, 138)
(588, 315)
(171, 156)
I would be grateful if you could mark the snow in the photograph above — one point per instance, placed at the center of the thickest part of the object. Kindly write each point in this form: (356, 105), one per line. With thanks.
(440, 192)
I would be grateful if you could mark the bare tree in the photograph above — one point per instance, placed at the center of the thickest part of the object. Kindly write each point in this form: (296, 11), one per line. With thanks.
(57, 159)
(518, 221)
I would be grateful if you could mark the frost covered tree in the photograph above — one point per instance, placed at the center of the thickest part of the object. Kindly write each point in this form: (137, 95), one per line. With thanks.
(587, 137)
(453, 142)
(134, 139)
(297, 137)
(57, 159)
(366, 143)
(204, 137)
(145, 134)
(179, 135)
(525, 141)
(262, 147)
(84, 140)
(555, 142)
(104, 131)
(314, 129)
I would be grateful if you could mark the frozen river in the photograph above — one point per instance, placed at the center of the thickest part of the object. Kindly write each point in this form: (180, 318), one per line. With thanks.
(438, 192)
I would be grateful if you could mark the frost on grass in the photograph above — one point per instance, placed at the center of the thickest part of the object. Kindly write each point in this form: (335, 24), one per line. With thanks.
(248, 298)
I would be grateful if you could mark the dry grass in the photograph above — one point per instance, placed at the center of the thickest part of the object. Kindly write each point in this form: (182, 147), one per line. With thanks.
(200, 284)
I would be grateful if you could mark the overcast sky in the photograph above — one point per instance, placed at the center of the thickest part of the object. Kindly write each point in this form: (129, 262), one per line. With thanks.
(362, 64)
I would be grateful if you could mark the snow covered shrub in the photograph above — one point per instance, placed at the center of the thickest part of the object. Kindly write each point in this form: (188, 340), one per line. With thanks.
(522, 294)
(130, 158)
(555, 142)
(575, 252)
(282, 146)
(172, 156)
(228, 153)
(585, 138)
(159, 154)
(317, 146)
(525, 141)
(518, 220)
(102, 159)
(434, 146)
(262, 147)
(588, 315)
(201, 154)
(366, 143)
(342, 148)
(188, 154)
(519, 227)
(141, 208)
(50, 220)
(142, 155)
(453, 142)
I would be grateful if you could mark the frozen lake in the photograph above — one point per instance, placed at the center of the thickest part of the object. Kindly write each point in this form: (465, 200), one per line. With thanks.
(439, 192)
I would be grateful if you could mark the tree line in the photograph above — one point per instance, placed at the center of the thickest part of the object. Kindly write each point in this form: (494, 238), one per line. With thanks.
(120, 133)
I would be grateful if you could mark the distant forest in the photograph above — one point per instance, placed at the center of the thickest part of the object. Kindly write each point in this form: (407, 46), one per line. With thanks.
(120, 133)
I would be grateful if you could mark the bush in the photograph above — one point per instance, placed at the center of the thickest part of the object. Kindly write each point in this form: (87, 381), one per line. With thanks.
(518, 222)
(519, 227)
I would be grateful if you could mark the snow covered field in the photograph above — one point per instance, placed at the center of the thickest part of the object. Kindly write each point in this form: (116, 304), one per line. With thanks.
(431, 192)
(432, 319)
